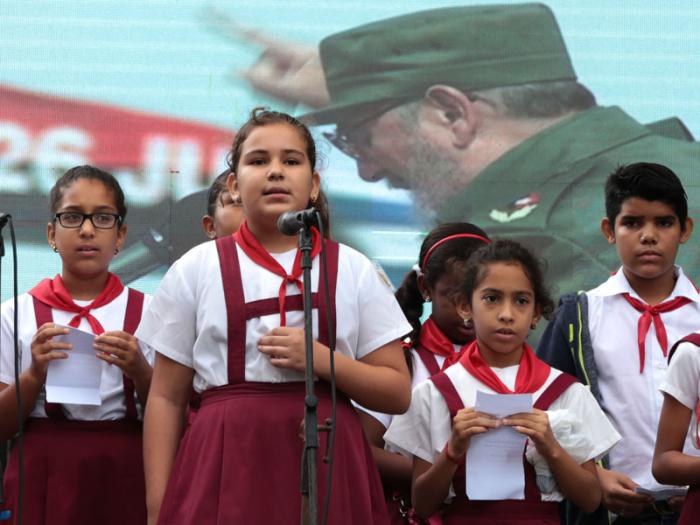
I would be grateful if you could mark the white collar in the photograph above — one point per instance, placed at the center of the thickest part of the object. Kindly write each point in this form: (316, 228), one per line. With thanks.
(618, 284)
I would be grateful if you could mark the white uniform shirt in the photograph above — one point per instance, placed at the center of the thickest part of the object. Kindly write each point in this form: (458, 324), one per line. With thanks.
(111, 317)
(187, 318)
(420, 374)
(426, 427)
(683, 382)
(632, 400)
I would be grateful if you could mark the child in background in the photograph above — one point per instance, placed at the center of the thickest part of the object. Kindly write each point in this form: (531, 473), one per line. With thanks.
(681, 391)
(434, 345)
(503, 294)
(224, 210)
(615, 337)
(83, 464)
(225, 319)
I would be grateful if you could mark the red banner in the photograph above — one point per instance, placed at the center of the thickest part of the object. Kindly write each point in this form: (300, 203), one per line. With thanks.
(149, 152)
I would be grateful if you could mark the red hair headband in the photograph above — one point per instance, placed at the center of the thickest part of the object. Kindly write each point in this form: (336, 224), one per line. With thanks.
(449, 238)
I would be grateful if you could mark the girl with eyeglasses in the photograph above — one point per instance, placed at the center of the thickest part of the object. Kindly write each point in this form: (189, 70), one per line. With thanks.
(83, 464)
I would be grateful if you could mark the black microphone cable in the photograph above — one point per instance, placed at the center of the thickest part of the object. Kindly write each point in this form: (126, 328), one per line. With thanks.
(19, 443)
(330, 449)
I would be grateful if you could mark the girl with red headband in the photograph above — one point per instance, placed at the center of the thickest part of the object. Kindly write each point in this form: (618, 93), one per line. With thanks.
(83, 464)
(504, 296)
(227, 319)
(431, 346)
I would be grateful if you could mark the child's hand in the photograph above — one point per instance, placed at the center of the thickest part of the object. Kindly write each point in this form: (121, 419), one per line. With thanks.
(45, 349)
(465, 424)
(122, 349)
(619, 496)
(535, 425)
(284, 346)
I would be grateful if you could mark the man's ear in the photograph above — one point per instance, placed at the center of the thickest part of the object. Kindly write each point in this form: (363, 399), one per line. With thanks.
(456, 112)
(688, 231)
(608, 231)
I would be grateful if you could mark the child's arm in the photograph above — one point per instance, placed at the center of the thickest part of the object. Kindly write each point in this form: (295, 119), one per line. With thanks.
(122, 349)
(44, 350)
(670, 465)
(431, 482)
(164, 422)
(394, 469)
(379, 381)
(578, 483)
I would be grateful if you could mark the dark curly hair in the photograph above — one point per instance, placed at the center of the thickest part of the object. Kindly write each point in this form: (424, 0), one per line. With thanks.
(507, 251)
(261, 116)
(446, 257)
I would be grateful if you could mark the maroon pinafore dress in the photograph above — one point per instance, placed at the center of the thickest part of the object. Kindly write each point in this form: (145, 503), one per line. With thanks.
(240, 460)
(691, 505)
(428, 359)
(397, 501)
(530, 511)
(82, 472)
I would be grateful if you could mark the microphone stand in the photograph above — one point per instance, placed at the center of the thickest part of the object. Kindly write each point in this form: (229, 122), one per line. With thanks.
(309, 484)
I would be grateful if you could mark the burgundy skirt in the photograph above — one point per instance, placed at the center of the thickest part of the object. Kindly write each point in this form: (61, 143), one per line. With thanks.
(240, 461)
(691, 507)
(79, 473)
(504, 512)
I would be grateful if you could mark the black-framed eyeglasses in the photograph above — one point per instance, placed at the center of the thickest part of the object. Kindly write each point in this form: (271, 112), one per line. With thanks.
(355, 139)
(100, 220)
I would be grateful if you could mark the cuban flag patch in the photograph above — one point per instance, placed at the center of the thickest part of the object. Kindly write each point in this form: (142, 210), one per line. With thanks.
(517, 209)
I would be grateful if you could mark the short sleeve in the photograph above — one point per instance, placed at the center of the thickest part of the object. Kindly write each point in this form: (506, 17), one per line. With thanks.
(592, 431)
(168, 325)
(7, 365)
(683, 375)
(381, 319)
(415, 432)
(381, 417)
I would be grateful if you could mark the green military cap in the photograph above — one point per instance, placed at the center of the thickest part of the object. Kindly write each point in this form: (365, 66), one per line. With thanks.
(471, 48)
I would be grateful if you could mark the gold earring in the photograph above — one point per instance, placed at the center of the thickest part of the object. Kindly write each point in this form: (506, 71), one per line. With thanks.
(116, 251)
(313, 199)
(467, 322)
(533, 325)
(54, 248)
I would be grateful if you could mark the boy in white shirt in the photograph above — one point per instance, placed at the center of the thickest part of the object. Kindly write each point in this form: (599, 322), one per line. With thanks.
(615, 337)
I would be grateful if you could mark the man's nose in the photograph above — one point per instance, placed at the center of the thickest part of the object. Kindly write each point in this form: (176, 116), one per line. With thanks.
(369, 171)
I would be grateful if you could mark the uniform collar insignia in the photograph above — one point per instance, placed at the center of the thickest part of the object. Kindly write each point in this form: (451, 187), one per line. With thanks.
(518, 209)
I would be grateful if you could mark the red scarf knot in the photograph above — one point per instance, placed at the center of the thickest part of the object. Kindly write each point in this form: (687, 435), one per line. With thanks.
(532, 371)
(260, 256)
(53, 293)
(649, 314)
(435, 341)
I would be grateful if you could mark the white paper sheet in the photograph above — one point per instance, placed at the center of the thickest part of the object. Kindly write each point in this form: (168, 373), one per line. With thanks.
(663, 493)
(495, 459)
(75, 380)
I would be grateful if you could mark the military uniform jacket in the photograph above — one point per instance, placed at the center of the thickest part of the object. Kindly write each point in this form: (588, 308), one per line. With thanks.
(548, 191)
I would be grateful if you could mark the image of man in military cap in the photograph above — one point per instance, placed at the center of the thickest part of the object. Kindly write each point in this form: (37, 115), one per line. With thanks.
(478, 111)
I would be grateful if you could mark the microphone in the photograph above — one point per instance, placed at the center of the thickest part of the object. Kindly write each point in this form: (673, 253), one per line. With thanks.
(289, 223)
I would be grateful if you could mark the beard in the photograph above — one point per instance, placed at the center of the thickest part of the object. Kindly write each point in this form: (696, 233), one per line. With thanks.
(432, 176)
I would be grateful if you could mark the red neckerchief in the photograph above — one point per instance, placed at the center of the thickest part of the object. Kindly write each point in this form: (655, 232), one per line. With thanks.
(53, 293)
(532, 373)
(253, 249)
(435, 341)
(649, 314)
